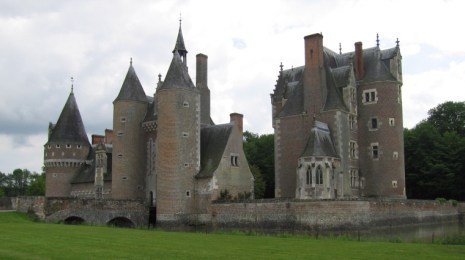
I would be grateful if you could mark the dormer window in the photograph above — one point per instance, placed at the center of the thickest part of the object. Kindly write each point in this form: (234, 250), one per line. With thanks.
(68, 146)
(57, 146)
(234, 160)
(79, 146)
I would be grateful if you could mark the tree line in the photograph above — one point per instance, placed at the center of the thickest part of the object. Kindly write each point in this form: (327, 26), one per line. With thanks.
(22, 182)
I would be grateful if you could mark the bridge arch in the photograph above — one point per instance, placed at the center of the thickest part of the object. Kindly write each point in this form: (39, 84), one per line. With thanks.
(121, 222)
(74, 220)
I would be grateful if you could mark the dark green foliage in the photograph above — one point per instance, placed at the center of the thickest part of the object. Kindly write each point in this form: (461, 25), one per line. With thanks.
(241, 196)
(22, 183)
(225, 196)
(434, 154)
(2, 193)
(259, 150)
(259, 183)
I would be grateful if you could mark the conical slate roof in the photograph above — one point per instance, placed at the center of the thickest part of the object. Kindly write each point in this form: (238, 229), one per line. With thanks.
(69, 127)
(180, 47)
(131, 88)
(177, 75)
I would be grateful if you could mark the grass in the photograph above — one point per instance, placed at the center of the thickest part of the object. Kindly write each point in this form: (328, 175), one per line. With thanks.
(21, 238)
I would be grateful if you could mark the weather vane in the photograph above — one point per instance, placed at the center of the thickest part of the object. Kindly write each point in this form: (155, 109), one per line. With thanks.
(72, 83)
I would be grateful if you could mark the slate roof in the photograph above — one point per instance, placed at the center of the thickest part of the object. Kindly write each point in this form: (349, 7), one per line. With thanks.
(319, 142)
(69, 127)
(177, 75)
(338, 69)
(131, 88)
(213, 141)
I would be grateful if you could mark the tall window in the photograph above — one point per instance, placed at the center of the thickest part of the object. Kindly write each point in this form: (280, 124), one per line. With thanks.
(353, 149)
(375, 150)
(234, 160)
(319, 175)
(309, 176)
(369, 96)
(374, 123)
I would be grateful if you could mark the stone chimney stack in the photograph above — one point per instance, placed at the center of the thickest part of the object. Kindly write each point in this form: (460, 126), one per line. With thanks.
(201, 83)
(358, 61)
(238, 120)
(314, 75)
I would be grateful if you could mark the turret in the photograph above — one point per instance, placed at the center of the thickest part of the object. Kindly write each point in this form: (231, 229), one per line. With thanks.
(129, 109)
(178, 144)
(180, 48)
(66, 150)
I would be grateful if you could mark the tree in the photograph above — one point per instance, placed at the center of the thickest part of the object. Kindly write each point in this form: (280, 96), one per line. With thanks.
(259, 183)
(259, 150)
(37, 185)
(448, 117)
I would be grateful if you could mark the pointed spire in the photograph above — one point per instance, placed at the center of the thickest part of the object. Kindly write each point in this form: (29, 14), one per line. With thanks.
(180, 47)
(69, 127)
(131, 88)
(340, 48)
(377, 40)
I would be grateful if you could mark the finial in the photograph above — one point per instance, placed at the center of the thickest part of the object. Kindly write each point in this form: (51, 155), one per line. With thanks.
(130, 61)
(159, 77)
(340, 48)
(281, 67)
(292, 67)
(397, 42)
(72, 83)
(180, 19)
(377, 40)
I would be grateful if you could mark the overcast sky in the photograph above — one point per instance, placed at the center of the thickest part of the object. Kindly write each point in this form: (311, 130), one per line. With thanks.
(44, 43)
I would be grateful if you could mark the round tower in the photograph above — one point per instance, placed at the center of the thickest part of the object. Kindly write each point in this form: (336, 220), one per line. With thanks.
(178, 144)
(128, 162)
(380, 123)
(66, 150)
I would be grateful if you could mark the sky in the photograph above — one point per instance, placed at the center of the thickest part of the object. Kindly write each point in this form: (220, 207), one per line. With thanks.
(45, 43)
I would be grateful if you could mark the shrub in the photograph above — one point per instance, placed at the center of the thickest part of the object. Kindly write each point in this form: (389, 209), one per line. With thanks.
(441, 200)
(453, 202)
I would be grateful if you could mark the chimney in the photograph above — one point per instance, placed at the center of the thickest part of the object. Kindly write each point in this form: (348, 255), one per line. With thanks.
(358, 61)
(238, 120)
(108, 136)
(96, 139)
(314, 74)
(202, 85)
(201, 70)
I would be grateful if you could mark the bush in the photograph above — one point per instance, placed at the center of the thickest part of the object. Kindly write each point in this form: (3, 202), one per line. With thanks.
(441, 200)
(453, 240)
(225, 196)
(454, 203)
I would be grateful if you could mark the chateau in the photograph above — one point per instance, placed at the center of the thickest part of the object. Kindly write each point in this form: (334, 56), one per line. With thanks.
(338, 124)
(163, 149)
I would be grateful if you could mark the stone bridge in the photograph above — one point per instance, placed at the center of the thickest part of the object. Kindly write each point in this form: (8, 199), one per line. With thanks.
(126, 213)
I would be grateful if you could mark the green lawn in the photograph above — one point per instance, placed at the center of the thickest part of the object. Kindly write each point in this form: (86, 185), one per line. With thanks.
(21, 238)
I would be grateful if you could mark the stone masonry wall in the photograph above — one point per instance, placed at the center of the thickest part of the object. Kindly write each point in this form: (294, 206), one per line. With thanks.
(331, 215)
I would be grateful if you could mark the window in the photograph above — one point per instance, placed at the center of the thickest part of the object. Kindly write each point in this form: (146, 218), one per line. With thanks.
(79, 146)
(54, 175)
(353, 150)
(57, 146)
(374, 123)
(120, 133)
(185, 104)
(124, 178)
(49, 146)
(123, 119)
(120, 156)
(185, 134)
(375, 151)
(188, 193)
(309, 176)
(399, 95)
(369, 96)
(353, 122)
(186, 165)
(354, 178)
(234, 159)
(68, 146)
(319, 175)
(395, 155)
(392, 121)
(394, 184)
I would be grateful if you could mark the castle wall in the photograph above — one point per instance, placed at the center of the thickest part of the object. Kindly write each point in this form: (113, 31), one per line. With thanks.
(331, 215)
(385, 175)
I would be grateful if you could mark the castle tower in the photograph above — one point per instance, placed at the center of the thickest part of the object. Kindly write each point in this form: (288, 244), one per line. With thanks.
(129, 108)
(201, 82)
(380, 121)
(178, 144)
(180, 48)
(66, 150)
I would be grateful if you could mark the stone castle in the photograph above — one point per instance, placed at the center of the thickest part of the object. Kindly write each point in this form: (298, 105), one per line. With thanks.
(338, 124)
(338, 135)
(163, 149)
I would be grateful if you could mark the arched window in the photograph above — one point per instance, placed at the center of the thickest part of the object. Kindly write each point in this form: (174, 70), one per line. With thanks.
(319, 175)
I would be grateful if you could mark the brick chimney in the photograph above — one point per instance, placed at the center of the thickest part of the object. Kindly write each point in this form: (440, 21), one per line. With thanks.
(238, 120)
(314, 74)
(358, 61)
(108, 136)
(96, 139)
(201, 83)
